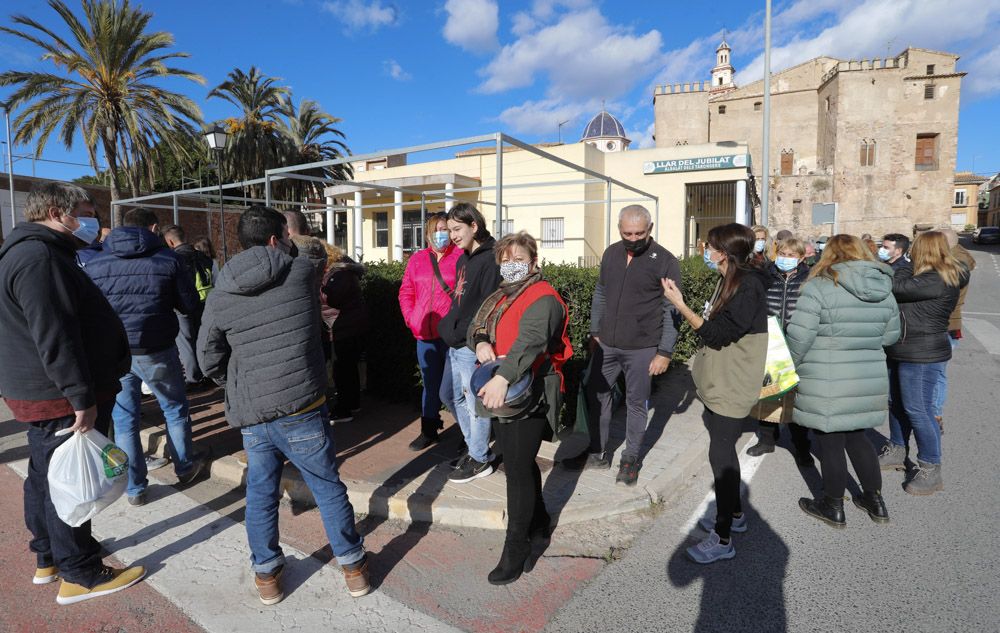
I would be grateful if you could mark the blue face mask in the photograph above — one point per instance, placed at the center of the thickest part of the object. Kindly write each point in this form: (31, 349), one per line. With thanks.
(439, 239)
(883, 254)
(786, 264)
(758, 246)
(708, 260)
(88, 231)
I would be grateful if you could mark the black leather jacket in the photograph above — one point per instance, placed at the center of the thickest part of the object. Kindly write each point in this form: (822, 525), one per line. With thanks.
(925, 305)
(783, 291)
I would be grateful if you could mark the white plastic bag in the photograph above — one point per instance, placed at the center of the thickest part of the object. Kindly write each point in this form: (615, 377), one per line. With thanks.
(86, 474)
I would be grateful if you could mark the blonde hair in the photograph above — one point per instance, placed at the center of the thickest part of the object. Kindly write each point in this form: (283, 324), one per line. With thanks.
(840, 248)
(430, 226)
(930, 251)
(791, 244)
(522, 239)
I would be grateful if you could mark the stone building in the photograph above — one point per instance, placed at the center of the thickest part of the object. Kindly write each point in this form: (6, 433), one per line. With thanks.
(878, 137)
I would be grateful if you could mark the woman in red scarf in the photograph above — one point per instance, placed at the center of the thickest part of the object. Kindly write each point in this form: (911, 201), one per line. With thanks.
(523, 325)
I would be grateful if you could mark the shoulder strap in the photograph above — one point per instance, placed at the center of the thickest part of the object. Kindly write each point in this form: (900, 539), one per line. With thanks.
(437, 273)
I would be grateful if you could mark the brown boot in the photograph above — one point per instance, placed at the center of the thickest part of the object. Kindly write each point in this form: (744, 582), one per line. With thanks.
(269, 586)
(357, 578)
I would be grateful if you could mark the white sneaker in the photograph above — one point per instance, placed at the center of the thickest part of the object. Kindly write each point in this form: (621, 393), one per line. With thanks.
(711, 550)
(707, 523)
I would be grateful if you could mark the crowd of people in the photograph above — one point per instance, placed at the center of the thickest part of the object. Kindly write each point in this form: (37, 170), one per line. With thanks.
(95, 316)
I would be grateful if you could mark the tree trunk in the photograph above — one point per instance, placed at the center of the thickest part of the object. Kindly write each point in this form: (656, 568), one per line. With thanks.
(112, 157)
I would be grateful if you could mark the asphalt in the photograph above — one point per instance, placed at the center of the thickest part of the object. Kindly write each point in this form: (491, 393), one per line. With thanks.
(934, 568)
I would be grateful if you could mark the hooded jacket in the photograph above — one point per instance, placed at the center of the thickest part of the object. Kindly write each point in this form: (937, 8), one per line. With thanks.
(422, 300)
(925, 305)
(477, 276)
(145, 282)
(836, 336)
(260, 336)
(199, 265)
(61, 338)
(963, 256)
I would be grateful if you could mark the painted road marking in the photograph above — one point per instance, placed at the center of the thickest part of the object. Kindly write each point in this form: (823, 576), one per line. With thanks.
(199, 560)
(748, 467)
(995, 314)
(985, 332)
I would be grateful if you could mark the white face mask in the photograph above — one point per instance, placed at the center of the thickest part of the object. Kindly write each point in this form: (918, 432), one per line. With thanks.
(513, 272)
(758, 246)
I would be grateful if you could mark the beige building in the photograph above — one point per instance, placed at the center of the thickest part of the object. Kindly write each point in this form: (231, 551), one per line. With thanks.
(965, 203)
(877, 137)
(691, 189)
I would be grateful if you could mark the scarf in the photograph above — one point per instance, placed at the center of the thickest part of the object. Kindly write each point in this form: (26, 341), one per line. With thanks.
(484, 323)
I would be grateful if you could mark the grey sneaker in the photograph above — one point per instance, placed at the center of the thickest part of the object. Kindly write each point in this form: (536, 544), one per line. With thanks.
(892, 457)
(926, 481)
(153, 462)
(191, 475)
(137, 500)
(707, 523)
(711, 550)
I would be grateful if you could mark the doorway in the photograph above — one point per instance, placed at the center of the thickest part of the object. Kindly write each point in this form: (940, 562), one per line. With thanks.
(708, 205)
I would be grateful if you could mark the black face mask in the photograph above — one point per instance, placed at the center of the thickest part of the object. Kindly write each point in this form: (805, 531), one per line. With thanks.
(636, 247)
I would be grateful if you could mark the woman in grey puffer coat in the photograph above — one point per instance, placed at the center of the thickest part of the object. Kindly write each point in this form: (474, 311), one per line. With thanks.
(845, 315)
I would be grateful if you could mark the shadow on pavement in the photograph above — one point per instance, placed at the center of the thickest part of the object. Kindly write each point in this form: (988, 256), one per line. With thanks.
(745, 593)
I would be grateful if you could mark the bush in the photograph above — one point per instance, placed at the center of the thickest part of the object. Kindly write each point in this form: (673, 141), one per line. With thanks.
(393, 373)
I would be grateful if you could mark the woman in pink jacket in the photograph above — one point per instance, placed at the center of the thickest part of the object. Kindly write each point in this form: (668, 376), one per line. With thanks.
(425, 297)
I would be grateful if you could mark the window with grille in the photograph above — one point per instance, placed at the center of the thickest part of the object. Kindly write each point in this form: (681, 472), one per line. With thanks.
(552, 232)
(930, 69)
(508, 228)
(960, 197)
(926, 152)
(787, 162)
(867, 153)
(722, 109)
(382, 229)
(756, 106)
(929, 91)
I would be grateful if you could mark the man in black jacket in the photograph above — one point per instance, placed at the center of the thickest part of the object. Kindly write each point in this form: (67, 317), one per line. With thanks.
(64, 350)
(893, 252)
(634, 329)
(200, 268)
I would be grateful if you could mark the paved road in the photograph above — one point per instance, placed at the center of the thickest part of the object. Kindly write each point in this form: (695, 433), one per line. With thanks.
(933, 569)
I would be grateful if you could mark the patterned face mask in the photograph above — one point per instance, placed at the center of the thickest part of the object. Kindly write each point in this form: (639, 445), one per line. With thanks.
(513, 272)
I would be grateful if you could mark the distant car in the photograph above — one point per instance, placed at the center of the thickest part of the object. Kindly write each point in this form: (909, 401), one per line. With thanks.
(986, 235)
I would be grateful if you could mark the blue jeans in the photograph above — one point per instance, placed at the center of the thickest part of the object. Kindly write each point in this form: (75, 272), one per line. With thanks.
(941, 392)
(163, 374)
(911, 407)
(475, 429)
(432, 356)
(306, 440)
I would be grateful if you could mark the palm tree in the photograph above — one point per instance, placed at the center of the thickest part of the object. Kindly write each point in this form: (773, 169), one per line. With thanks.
(312, 137)
(102, 88)
(255, 143)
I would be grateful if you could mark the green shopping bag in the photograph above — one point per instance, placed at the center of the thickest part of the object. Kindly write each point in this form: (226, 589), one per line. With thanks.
(780, 376)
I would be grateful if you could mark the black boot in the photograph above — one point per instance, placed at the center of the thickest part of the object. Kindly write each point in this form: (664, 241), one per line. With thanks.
(511, 565)
(827, 509)
(540, 528)
(428, 434)
(760, 448)
(872, 503)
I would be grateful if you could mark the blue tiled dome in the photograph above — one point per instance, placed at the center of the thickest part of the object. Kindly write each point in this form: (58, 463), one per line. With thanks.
(602, 126)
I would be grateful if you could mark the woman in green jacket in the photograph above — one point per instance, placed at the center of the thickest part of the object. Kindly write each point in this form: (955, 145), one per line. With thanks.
(728, 372)
(845, 315)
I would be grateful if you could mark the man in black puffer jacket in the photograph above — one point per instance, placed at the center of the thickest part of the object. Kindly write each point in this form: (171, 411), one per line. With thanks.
(260, 336)
(146, 282)
(199, 266)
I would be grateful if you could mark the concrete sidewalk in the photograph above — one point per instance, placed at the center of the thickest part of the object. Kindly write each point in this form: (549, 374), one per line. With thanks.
(387, 480)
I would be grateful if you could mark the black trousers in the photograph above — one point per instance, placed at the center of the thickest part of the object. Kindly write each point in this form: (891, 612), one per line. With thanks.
(187, 341)
(345, 373)
(519, 443)
(835, 448)
(72, 549)
(723, 433)
(769, 432)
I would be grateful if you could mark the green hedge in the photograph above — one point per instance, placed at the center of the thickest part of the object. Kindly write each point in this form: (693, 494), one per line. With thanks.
(391, 351)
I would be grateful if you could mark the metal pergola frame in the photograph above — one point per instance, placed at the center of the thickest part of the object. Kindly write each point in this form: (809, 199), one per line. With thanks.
(433, 196)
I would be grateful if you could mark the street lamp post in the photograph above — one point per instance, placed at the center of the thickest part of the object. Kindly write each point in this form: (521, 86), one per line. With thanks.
(217, 137)
(10, 168)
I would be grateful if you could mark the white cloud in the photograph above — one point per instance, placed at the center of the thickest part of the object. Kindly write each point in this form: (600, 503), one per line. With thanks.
(984, 73)
(582, 55)
(472, 24)
(392, 68)
(543, 118)
(642, 139)
(361, 15)
(877, 28)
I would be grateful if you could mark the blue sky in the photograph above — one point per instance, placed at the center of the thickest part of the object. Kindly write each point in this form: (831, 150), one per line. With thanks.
(408, 72)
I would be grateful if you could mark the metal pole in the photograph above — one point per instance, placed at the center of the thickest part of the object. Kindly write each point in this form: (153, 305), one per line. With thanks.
(267, 189)
(222, 212)
(10, 169)
(423, 212)
(766, 161)
(499, 198)
(177, 214)
(607, 222)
